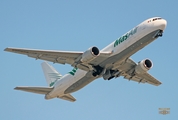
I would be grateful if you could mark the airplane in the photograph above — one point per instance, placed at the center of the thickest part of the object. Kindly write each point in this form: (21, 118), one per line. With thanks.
(111, 62)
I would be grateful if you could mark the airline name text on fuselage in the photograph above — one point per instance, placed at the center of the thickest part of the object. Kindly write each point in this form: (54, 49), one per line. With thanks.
(125, 37)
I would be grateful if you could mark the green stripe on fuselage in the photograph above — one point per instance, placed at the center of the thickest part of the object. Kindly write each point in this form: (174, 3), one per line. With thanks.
(74, 70)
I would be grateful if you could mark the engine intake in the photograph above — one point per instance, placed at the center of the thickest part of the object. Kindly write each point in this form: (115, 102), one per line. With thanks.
(90, 54)
(143, 66)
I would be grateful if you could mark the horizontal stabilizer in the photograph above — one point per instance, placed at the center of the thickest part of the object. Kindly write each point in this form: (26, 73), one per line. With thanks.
(38, 90)
(68, 97)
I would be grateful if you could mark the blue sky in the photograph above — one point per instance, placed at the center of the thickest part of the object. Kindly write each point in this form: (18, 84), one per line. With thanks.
(76, 26)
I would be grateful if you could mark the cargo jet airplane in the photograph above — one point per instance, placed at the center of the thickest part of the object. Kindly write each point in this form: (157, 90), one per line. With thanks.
(111, 62)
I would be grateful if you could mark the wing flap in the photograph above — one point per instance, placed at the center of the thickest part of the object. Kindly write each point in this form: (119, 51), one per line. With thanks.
(38, 90)
(150, 79)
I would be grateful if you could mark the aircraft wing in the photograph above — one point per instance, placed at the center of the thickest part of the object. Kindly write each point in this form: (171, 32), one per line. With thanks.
(39, 90)
(141, 78)
(55, 56)
(68, 97)
(62, 57)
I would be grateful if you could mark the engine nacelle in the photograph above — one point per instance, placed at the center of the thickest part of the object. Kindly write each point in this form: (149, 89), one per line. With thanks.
(90, 54)
(143, 66)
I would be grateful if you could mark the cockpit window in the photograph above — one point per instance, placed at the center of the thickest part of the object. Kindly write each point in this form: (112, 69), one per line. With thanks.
(157, 19)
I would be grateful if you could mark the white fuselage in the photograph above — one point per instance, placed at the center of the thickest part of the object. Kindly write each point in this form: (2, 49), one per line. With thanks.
(116, 47)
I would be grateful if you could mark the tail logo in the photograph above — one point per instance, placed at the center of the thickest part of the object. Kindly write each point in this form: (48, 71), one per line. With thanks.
(52, 83)
(54, 77)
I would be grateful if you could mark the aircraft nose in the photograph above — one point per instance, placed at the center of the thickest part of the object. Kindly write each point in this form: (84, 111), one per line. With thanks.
(162, 24)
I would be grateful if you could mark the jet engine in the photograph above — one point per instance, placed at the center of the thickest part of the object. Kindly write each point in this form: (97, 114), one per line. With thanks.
(90, 54)
(143, 66)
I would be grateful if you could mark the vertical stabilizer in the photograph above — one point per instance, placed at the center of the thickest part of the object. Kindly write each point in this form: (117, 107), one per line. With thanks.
(50, 73)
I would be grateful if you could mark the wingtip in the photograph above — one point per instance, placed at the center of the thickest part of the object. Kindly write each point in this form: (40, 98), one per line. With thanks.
(16, 88)
(6, 49)
(158, 84)
(9, 49)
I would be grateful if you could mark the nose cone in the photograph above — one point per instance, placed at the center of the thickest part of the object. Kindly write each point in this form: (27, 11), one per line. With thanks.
(161, 24)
